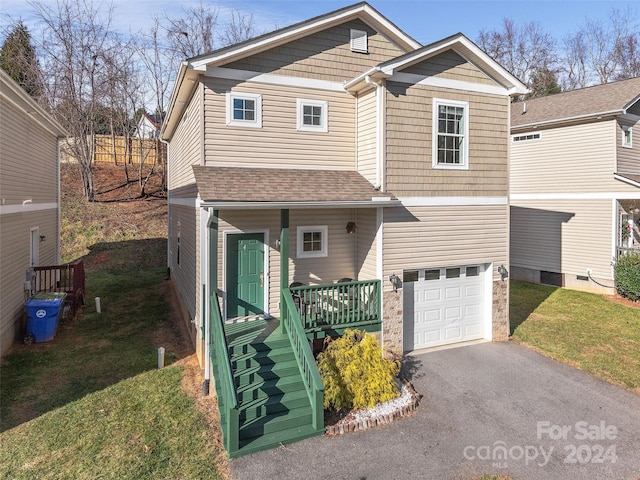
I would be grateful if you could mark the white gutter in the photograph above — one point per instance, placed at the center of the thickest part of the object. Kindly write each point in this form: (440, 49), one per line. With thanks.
(380, 133)
(373, 203)
(622, 178)
(596, 116)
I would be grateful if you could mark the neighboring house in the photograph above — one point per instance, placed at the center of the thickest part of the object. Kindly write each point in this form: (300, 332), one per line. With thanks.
(575, 185)
(29, 200)
(148, 126)
(339, 148)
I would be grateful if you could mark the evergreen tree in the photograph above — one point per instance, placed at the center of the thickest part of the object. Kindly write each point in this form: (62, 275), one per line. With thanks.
(543, 82)
(18, 59)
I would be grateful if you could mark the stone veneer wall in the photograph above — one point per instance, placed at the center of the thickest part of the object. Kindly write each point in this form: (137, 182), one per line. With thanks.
(392, 317)
(392, 323)
(500, 311)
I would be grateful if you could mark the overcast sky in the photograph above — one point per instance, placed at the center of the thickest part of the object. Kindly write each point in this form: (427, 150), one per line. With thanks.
(426, 21)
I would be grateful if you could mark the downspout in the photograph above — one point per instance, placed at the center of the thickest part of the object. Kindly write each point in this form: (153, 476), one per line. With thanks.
(380, 133)
(211, 288)
(58, 214)
(166, 173)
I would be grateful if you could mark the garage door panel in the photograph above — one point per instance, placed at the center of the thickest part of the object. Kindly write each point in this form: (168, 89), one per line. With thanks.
(446, 310)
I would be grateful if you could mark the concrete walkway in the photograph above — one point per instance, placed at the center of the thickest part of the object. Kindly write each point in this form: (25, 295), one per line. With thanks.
(491, 408)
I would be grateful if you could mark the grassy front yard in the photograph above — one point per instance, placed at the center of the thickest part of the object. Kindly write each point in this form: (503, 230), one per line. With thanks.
(581, 329)
(91, 403)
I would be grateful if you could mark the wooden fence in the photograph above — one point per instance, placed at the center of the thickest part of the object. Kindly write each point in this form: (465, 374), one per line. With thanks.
(132, 150)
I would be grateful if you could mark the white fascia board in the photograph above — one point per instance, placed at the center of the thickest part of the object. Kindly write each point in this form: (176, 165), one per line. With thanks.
(373, 203)
(575, 196)
(371, 17)
(184, 87)
(631, 103)
(186, 202)
(451, 201)
(415, 79)
(270, 79)
(557, 121)
(626, 180)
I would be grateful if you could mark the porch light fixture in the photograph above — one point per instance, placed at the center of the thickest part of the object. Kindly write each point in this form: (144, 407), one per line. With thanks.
(395, 281)
(351, 227)
(504, 273)
(42, 238)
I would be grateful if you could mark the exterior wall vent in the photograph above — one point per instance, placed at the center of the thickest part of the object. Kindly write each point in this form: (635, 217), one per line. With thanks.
(359, 41)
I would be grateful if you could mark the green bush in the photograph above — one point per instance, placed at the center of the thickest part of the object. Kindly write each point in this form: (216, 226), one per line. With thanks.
(627, 275)
(354, 372)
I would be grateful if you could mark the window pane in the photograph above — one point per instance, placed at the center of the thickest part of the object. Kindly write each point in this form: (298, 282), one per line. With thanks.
(312, 241)
(432, 274)
(453, 273)
(410, 276)
(472, 272)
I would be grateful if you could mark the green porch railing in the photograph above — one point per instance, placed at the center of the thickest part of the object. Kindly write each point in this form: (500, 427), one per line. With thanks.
(292, 325)
(338, 305)
(220, 350)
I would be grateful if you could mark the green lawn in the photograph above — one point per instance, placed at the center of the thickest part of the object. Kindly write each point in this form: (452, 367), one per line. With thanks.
(91, 403)
(581, 329)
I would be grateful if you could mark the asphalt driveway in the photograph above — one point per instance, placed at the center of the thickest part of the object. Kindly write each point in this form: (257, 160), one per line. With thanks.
(490, 408)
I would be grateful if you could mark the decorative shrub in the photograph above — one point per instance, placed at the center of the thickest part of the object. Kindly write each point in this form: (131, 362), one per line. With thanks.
(354, 372)
(627, 275)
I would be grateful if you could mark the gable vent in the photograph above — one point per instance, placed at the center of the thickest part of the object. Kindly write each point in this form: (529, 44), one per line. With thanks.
(359, 41)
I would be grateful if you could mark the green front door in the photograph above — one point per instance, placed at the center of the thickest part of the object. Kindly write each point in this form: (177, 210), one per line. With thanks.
(245, 274)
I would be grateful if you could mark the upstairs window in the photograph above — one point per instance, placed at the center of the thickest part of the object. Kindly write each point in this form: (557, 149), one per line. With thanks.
(627, 136)
(525, 138)
(450, 134)
(359, 41)
(312, 115)
(244, 109)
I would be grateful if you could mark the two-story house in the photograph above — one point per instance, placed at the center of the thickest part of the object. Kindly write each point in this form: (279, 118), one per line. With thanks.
(29, 200)
(575, 185)
(329, 174)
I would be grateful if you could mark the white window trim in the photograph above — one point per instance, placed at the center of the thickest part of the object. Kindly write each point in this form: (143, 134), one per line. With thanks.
(301, 103)
(434, 139)
(359, 41)
(324, 230)
(625, 129)
(257, 123)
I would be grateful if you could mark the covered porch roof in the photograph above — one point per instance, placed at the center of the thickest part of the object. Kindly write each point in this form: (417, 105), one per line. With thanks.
(240, 187)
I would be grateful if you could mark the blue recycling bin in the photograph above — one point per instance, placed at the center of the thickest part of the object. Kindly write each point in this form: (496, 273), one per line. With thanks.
(44, 310)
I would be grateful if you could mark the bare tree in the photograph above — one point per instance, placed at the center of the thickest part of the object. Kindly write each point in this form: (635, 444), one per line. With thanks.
(575, 63)
(193, 33)
(521, 50)
(75, 43)
(240, 27)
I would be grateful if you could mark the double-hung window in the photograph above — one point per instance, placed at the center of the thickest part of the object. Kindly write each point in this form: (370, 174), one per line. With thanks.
(312, 115)
(244, 109)
(450, 134)
(312, 241)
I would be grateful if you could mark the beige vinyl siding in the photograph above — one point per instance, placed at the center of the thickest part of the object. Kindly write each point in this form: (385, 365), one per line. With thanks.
(423, 237)
(452, 66)
(628, 158)
(367, 244)
(366, 123)
(573, 159)
(29, 159)
(325, 55)
(409, 170)
(185, 150)
(28, 173)
(278, 143)
(567, 236)
(185, 275)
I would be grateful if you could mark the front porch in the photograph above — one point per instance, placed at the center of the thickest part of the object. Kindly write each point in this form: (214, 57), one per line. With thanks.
(628, 227)
(268, 386)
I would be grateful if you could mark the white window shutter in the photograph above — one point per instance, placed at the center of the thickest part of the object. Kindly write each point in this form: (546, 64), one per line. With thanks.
(359, 41)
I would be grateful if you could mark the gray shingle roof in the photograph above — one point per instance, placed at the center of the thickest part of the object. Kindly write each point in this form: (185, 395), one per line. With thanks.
(585, 102)
(273, 185)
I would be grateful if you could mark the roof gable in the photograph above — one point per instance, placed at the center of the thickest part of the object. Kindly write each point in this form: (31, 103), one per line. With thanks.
(585, 104)
(461, 46)
(362, 11)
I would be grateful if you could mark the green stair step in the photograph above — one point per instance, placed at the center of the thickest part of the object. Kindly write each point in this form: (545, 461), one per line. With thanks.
(262, 357)
(274, 386)
(266, 372)
(269, 441)
(278, 422)
(242, 346)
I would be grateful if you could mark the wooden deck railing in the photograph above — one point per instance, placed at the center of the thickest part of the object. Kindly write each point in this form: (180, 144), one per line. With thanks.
(338, 305)
(220, 351)
(292, 325)
(68, 278)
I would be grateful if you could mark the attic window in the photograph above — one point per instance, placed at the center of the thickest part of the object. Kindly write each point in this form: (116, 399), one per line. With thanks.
(523, 138)
(627, 138)
(359, 41)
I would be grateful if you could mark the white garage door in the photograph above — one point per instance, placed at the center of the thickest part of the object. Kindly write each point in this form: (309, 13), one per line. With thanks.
(443, 306)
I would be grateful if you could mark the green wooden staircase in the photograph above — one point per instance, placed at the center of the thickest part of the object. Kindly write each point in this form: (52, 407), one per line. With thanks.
(273, 406)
